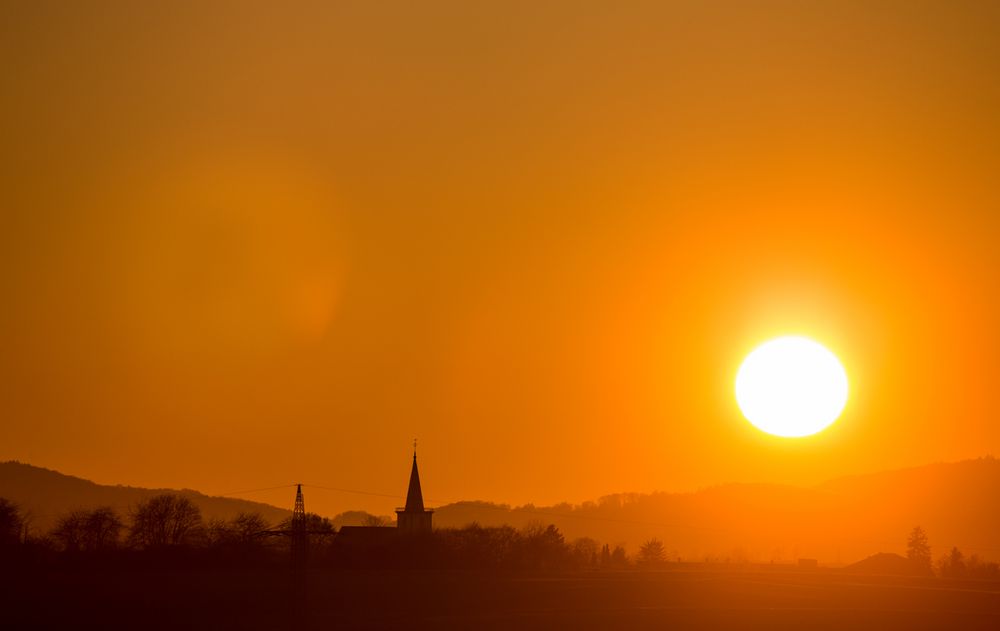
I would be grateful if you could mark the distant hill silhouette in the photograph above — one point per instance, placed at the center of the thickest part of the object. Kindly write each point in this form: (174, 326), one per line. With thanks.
(838, 522)
(47, 494)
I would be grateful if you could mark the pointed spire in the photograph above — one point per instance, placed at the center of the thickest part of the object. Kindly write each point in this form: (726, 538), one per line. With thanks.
(414, 497)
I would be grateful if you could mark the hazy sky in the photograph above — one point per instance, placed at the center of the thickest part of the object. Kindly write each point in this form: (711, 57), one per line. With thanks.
(248, 244)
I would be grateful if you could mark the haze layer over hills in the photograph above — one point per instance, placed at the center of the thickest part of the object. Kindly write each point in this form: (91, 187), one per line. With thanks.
(839, 521)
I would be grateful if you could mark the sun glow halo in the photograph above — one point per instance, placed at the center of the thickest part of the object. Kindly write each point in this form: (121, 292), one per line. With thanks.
(791, 386)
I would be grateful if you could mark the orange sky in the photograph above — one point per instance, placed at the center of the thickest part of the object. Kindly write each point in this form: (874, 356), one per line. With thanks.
(244, 246)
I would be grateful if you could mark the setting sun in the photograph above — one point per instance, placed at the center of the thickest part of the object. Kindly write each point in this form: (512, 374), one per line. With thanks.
(791, 386)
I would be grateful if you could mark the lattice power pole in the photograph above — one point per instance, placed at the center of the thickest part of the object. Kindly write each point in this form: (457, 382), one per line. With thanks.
(300, 534)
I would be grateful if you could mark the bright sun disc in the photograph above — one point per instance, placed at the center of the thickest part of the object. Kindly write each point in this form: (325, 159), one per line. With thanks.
(791, 386)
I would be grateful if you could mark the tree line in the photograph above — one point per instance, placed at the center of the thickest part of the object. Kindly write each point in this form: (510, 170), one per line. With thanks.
(952, 564)
(168, 523)
(161, 521)
(170, 526)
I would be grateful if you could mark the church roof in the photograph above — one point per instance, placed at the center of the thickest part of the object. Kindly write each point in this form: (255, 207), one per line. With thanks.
(414, 498)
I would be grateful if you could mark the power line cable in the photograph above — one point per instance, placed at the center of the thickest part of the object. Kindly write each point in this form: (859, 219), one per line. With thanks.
(267, 488)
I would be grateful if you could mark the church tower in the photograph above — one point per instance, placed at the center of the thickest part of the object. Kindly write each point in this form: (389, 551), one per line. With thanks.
(414, 519)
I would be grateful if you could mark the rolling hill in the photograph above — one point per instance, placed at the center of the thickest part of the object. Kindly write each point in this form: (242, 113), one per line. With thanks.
(838, 522)
(45, 495)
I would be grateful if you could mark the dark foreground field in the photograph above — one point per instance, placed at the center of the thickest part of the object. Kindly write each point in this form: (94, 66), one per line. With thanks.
(449, 600)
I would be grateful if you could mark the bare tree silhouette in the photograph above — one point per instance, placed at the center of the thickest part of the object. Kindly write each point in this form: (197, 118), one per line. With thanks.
(89, 530)
(11, 522)
(314, 524)
(584, 551)
(244, 529)
(248, 526)
(164, 520)
(374, 521)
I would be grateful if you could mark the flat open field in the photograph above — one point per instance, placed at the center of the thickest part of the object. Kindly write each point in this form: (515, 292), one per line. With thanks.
(448, 600)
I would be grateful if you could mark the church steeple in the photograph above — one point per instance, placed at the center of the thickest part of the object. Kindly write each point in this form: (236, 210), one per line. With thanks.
(414, 518)
(414, 497)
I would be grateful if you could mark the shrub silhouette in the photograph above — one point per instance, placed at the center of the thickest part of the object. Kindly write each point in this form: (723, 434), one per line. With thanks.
(977, 568)
(952, 565)
(243, 530)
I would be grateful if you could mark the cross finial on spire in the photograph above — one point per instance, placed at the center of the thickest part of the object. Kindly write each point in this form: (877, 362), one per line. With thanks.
(414, 447)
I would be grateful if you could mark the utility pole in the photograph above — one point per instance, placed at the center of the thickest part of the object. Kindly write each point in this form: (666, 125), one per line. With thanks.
(300, 535)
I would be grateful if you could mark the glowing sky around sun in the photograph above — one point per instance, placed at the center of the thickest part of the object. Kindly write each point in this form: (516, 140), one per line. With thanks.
(253, 246)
